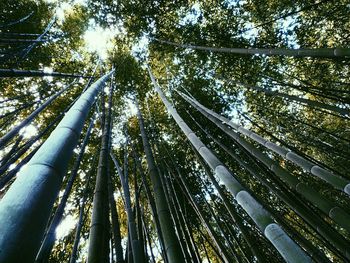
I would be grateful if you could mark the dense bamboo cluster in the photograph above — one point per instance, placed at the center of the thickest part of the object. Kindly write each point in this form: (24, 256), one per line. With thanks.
(175, 155)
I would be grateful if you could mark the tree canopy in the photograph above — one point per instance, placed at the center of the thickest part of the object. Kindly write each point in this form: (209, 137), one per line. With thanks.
(174, 131)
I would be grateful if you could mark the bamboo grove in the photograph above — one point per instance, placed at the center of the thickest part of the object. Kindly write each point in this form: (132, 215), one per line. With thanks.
(181, 131)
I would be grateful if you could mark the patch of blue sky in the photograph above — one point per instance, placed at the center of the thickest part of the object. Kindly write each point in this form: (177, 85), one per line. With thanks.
(140, 49)
(287, 27)
(233, 3)
(191, 17)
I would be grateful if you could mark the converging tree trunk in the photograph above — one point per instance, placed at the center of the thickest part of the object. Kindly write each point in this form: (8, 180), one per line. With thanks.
(151, 204)
(12, 133)
(26, 207)
(50, 237)
(99, 230)
(335, 212)
(115, 221)
(7, 73)
(82, 211)
(172, 246)
(295, 203)
(288, 249)
(307, 52)
(329, 177)
(135, 245)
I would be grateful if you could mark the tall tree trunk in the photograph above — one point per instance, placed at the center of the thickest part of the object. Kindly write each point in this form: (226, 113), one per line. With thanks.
(307, 52)
(175, 218)
(50, 236)
(80, 223)
(333, 211)
(115, 222)
(294, 202)
(151, 204)
(177, 207)
(134, 244)
(26, 207)
(17, 21)
(12, 133)
(219, 246)
(231, 210)
(221, 227)
(99, 230)
(288, 249)
(172, 245)
(138, 216)
(6, 73)
(148, 238)
(311, 103)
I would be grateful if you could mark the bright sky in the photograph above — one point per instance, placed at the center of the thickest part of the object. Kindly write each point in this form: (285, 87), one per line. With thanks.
(99, 40)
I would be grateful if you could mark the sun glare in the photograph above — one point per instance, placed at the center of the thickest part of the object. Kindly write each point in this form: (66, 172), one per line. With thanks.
(67, 224)
(99, 40)
(29, 131)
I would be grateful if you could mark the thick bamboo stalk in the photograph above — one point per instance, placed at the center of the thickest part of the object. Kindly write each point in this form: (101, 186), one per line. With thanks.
(50, 236)
(98, 250)
(294, 203)
(332, 210)
(172, 246)
(26, 207)
(135, 246)
(288, 249)
(231, 210)
(151, 204)
(220, 225)
(334, 238)
(336, 181)
(214, 237)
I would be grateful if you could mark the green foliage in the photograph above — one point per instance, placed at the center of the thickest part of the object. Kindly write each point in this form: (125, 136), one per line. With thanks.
(216, 80)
